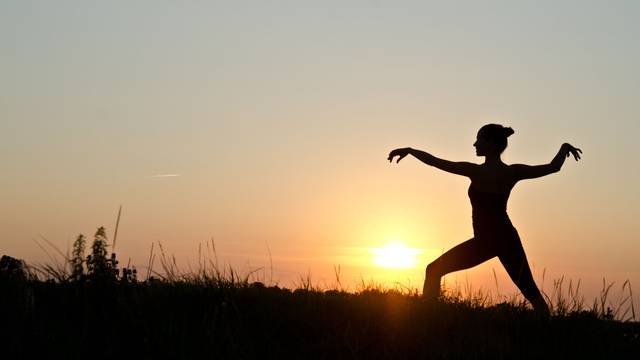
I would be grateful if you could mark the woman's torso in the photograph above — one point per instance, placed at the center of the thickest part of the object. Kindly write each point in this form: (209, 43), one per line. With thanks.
(489, 193)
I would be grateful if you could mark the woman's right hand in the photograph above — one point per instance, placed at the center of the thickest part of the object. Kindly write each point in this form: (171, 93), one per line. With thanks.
(571, 150)
(401, 153)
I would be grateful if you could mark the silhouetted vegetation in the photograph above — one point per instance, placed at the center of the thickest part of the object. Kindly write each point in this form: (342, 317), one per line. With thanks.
(88, 308)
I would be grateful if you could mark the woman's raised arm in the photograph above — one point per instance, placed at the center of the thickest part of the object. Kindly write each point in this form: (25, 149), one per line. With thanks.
(455, 167)
(522, 172)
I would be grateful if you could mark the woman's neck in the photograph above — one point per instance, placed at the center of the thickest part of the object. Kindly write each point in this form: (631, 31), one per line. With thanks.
(493, 160)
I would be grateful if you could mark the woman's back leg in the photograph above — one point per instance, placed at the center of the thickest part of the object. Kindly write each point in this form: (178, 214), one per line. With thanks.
(463, 256)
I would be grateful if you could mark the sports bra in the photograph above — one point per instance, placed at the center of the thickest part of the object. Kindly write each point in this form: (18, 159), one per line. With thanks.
(486, 203)
(489, 211)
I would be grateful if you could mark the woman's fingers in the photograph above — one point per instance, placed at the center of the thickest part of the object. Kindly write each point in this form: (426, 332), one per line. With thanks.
(392, 154)
(576, 154)
(574, 151)
(400, 153)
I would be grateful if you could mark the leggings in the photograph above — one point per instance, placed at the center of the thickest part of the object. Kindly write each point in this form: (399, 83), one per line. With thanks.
(507, 247)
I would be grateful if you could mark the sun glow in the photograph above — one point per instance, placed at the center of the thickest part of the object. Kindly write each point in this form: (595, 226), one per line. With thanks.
(395, 255)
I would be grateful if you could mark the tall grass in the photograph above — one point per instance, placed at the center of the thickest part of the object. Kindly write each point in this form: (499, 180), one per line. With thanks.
(564, 298)
(78, 305)
(214, 311)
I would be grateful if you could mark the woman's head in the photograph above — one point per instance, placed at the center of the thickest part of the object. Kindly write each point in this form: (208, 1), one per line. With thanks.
(492, 139)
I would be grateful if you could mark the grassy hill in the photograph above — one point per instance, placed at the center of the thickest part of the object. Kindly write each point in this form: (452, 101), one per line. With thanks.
(87, 307)
(188, 320)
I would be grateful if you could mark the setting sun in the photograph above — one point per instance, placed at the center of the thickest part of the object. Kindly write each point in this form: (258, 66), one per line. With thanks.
(395, 255)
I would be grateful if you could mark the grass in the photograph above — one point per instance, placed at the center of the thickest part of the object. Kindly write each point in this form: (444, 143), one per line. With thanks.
(215, 312)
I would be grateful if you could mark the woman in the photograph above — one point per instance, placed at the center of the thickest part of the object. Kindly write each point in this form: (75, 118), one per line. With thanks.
(494, 235)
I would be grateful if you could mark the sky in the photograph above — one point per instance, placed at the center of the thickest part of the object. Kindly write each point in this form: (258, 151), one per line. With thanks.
(265, 126)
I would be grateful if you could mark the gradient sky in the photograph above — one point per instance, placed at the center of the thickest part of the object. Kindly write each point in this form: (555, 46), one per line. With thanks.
(276, 118)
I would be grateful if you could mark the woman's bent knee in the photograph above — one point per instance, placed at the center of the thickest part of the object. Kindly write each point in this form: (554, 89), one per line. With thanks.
(433, 270)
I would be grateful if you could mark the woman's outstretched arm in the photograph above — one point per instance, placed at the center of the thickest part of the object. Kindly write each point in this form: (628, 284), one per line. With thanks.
(454, 167)
(522, 172)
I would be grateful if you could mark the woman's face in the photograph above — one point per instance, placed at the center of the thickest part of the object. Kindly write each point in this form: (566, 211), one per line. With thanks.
(483, 146)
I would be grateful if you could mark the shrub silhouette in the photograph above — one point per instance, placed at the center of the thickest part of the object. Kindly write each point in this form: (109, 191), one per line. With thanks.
(12, 268)
(77, 260)
(99, 267)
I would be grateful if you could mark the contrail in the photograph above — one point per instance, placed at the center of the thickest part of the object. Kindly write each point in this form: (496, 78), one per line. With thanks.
(165, 175)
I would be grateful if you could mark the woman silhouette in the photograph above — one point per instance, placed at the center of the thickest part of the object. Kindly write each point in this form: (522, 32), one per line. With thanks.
(494, 235)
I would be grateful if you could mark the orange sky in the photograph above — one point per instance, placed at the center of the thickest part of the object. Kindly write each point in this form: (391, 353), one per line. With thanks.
(276, 122)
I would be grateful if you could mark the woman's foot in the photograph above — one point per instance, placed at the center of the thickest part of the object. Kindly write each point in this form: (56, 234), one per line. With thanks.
(540, 307)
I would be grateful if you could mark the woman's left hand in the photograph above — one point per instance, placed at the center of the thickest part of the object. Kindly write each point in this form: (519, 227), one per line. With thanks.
(573, 151)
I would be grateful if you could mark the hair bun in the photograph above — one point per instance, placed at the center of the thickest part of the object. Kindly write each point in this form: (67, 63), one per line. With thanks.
(508, 131)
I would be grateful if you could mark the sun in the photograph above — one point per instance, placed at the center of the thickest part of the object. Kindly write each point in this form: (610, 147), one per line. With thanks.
(395, 255)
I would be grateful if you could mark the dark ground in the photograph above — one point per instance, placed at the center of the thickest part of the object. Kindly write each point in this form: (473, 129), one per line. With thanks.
(182, 320)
